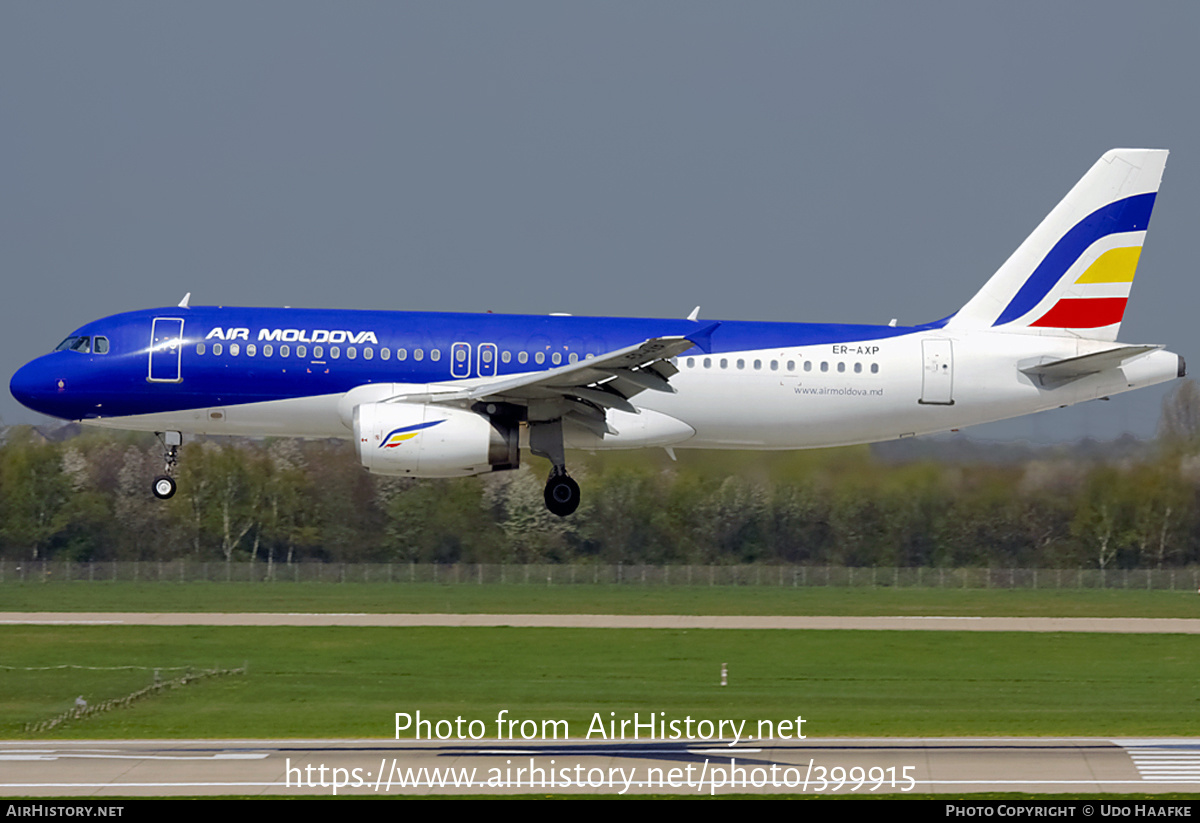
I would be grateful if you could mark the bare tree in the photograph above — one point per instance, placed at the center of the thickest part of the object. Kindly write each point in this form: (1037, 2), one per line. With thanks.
(1180, 421)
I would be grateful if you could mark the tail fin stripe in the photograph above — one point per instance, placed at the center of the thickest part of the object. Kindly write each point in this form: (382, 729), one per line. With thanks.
(1085, 313)
(1128, 215)
(1114, 266)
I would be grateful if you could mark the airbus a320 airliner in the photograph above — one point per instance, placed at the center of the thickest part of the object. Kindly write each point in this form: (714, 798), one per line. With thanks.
(445, 395)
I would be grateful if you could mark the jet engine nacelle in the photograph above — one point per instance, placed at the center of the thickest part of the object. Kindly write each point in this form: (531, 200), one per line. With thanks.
(425, 440)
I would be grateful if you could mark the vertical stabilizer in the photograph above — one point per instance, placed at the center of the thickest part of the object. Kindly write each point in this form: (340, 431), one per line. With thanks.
(1073, 274)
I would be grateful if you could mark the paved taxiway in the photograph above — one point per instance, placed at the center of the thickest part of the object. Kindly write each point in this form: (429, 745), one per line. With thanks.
(1122, 625)
(380, 767)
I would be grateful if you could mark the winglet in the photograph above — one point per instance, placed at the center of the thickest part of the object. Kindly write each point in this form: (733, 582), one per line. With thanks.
(183, 304)
(695, 314)
(703, 338)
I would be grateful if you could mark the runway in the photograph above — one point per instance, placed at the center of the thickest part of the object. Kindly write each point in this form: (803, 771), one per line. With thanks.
(1121, 625)
(519, 766)
(383, 767)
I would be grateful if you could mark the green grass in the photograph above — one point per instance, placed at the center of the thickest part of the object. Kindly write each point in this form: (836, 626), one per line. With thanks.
(342, 682)
(591, 599)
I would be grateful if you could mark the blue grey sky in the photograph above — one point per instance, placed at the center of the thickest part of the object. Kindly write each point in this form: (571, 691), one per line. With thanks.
(808, 161)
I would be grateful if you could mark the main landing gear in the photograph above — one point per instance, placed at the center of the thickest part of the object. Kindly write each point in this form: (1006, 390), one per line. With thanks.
(562, 493)
(164, 484)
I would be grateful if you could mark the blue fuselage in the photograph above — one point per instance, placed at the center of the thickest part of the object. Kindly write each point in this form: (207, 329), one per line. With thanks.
(172, 359)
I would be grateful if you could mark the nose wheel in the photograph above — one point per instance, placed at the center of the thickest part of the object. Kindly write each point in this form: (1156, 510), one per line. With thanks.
(164, 487)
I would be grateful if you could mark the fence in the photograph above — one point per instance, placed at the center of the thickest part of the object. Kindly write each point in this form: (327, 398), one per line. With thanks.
(549, 574)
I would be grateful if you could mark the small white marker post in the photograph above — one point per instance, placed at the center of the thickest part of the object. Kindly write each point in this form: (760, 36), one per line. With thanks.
(724, 674)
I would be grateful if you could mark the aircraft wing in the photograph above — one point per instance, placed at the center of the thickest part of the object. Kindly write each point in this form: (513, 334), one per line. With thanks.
(581, 390)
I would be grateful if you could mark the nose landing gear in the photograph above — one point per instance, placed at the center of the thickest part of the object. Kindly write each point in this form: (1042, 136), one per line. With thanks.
(164, 484)
(164, 487)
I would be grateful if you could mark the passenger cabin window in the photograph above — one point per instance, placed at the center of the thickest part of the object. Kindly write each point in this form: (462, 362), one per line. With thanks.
(217, 348)
(233, 349)
(251, 349)
(352, 352)
(302, 351)
(368, 353)
(285, 350)
(199, 348)
(434, 354)
(385, 354)
(268, 350)
(523, 357)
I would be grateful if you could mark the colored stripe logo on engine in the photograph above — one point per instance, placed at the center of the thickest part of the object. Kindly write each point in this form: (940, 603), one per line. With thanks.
(399, 436)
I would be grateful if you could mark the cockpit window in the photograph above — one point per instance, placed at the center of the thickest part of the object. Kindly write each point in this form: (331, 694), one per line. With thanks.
(84, 345)
(79, 344)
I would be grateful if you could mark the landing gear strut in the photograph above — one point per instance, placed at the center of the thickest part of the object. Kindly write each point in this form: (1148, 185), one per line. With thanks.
(562, 493)
(164, 484)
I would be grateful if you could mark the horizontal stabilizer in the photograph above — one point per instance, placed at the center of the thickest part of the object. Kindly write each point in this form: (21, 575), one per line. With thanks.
(1073, 368)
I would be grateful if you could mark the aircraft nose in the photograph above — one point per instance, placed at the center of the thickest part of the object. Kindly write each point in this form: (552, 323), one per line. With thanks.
(32, 386)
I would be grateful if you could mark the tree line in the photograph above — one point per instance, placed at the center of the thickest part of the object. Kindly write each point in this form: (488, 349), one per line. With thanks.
(87, 497)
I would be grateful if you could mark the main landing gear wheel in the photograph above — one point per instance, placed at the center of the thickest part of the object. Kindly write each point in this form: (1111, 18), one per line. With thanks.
(164, 487)
(562, 495)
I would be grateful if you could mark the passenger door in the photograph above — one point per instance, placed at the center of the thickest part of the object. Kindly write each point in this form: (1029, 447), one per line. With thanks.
(937, 383)
(166, 350)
